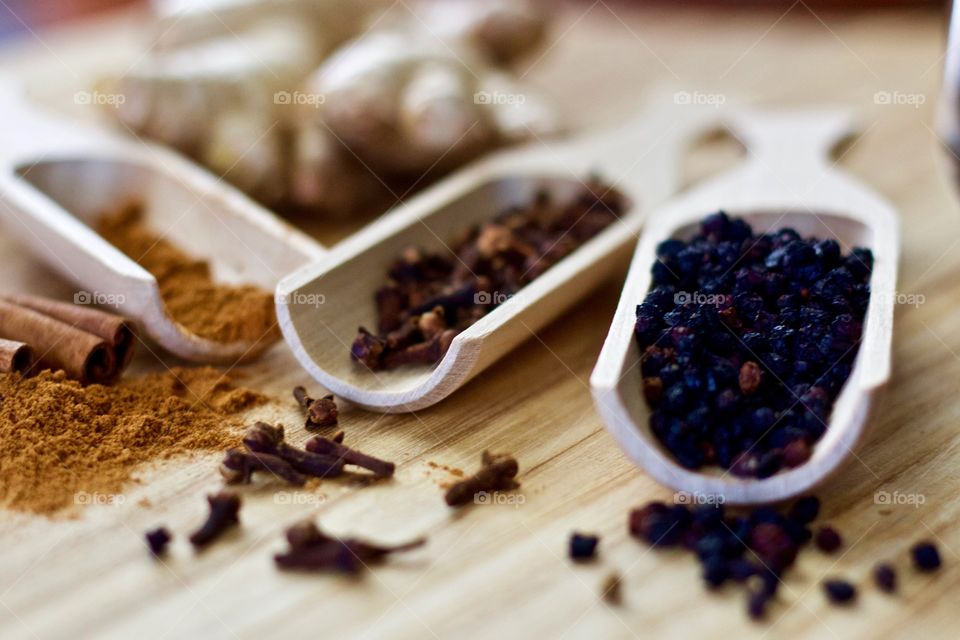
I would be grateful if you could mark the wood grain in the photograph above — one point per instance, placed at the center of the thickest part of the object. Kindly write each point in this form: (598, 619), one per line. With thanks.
(501, 569)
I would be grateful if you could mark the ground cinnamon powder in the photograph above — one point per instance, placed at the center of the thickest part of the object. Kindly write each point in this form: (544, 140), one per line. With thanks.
(60, 440)
(218, 312)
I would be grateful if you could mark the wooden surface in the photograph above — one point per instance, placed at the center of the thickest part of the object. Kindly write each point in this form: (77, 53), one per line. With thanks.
(501, 569)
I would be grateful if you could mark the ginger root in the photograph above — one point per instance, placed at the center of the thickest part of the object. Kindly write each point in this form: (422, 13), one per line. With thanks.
(327, 105)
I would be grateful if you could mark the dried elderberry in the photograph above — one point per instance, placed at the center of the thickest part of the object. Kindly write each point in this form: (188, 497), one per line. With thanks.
(753, 548)
(583, 547)
(839, 591)
(746, 341)
(925, 556)
(885, 577)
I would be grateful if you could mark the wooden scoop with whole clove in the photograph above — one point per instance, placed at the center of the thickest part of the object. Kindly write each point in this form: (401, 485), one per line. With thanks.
(429, 298)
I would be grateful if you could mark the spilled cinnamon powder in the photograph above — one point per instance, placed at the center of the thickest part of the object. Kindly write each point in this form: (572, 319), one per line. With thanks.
(61, 443)
(218, 312)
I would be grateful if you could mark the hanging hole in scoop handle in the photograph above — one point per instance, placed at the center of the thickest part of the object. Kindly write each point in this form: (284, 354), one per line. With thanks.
(792, 138)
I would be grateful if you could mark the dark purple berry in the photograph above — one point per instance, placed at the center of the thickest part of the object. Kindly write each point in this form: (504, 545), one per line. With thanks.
(925, 556)
(886, 578)
(583, 547)
(839, 591)
(805, 510)
(828, 540)
(783, 313)
(757, 604)
(157, 540)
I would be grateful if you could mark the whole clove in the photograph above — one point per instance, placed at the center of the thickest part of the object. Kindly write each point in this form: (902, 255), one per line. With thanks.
(611, 590)
(429, 298)
(238, 467)
(264, 438)
(313, 550)
(224, 515)
(497, 473)
(334, 448)
(321, 412)
(157, 540)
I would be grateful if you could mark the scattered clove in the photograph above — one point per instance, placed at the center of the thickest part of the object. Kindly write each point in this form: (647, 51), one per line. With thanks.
(264, 438)
(238, 467)
(496, 474)
(333, 448)
(313, 550)
(321, 412)
(224, 514)
(611, 590)
(157, 540)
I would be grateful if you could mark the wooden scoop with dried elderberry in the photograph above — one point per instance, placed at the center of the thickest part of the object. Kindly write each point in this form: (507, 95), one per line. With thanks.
(759, 335)
(456, 278)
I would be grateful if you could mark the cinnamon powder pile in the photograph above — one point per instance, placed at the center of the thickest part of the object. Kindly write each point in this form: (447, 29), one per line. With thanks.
(218, 312)
(59, 439)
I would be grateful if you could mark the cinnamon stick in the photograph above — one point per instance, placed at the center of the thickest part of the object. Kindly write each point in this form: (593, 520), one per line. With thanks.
(16, 357)
(83, 356)
(116, 330)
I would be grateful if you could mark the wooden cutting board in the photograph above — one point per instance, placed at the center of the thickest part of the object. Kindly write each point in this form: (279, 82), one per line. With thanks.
(501, 570)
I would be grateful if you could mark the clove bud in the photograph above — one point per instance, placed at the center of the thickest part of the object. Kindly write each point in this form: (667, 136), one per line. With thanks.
(224, 515)
(238, 467)
(496, 474)
(313, 550)
(321, 412)
(333, 447)
(268, 439)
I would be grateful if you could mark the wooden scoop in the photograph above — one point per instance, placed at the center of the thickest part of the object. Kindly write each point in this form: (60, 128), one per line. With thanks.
(320, 307)
(787, 182)
(56, 177)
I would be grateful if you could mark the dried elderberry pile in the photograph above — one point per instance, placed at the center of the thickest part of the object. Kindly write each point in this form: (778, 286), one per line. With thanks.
(747, 340)
(755, 547)
(431, 297)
